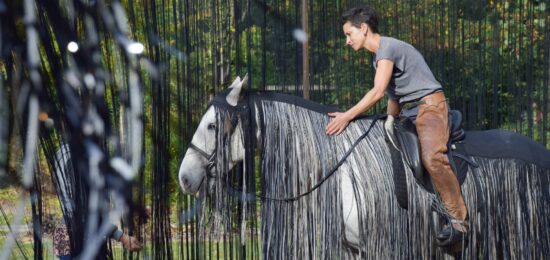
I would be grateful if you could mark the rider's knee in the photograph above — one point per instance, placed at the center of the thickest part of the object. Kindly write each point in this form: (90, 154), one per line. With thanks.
(434, 161)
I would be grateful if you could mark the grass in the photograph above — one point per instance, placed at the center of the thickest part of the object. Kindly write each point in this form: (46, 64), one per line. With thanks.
(9, 198)
(25, 249)
(210, 250)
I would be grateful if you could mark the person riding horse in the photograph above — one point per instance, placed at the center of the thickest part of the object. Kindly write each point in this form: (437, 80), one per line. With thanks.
(412, 90)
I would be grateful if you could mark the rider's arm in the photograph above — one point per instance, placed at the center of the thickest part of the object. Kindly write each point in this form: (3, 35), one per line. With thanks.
(393, 107)
(381, 80)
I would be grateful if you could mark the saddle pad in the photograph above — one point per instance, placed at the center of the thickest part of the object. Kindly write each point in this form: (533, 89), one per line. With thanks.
(498, 143)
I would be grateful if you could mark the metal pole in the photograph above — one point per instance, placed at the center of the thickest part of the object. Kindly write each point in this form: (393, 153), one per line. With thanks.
(305, 50)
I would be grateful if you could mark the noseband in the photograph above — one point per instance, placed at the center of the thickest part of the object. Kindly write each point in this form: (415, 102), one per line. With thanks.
(211, 158)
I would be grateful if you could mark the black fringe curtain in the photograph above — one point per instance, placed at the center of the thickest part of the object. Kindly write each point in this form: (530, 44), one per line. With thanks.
(59, 84)
(488, 55)
(492, 57)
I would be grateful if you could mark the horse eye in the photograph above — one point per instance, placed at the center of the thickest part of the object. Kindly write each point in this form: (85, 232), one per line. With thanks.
(212, 126)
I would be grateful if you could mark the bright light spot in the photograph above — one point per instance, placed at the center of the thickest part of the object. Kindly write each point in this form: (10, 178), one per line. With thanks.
(72, 47)
(299, 35)
(135, 48)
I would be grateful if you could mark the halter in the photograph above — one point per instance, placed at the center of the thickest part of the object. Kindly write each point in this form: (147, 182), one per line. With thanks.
(211, 158)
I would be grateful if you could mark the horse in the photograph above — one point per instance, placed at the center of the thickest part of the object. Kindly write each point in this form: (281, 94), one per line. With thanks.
(334, 196)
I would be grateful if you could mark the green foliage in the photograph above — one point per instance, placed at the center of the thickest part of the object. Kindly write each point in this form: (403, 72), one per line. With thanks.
(489, 56)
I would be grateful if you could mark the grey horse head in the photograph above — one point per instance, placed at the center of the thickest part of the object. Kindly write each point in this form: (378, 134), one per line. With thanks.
(200, 158)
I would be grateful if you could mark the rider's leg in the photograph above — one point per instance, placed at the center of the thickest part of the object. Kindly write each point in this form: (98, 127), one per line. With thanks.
(433, 133)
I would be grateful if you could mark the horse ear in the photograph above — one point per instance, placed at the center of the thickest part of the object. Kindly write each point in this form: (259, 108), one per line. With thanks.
(244, 82)
(235, 82)
(236, 89)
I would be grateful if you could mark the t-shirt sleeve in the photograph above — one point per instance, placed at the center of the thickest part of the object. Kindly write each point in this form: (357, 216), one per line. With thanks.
(386, 53)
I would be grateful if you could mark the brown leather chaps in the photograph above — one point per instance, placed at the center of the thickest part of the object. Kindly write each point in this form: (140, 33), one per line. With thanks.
(433, 132)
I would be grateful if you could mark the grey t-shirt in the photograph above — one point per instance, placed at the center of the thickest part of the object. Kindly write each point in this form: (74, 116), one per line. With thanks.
(412, 78)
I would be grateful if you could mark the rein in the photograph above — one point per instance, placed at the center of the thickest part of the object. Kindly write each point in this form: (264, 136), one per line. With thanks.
(212, 163)
(334, 169)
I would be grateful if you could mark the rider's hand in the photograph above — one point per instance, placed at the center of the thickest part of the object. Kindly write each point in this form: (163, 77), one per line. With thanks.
(338, 123)
(130, 243)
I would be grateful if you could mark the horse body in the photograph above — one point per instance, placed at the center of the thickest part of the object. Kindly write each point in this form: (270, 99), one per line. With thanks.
(508, 199)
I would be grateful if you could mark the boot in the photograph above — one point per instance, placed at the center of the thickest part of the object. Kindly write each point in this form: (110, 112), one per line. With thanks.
(456, 232)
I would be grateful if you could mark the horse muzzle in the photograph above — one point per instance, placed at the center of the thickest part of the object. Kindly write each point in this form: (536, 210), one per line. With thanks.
(192, 174)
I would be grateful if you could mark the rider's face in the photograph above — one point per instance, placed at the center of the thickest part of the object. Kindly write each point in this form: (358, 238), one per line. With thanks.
(355, 37)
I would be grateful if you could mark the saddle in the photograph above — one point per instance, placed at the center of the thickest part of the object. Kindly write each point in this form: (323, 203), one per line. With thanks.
(405, 146)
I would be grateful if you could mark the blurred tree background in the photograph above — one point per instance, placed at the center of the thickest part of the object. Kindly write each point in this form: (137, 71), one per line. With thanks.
(492, 57)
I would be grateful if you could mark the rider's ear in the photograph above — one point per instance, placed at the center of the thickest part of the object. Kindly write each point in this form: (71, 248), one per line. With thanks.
(364, 28)
(236, 89)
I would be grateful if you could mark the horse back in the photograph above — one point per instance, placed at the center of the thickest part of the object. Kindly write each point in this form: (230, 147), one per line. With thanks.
(501, 144)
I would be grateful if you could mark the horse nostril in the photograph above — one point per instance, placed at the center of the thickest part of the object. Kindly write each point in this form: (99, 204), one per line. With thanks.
(184, 181)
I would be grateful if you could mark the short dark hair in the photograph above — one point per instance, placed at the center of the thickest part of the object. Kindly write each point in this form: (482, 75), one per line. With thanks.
(361, 14)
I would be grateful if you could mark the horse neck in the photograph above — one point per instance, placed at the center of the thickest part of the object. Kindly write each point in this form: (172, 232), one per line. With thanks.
(293, 133)
(287, 126)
